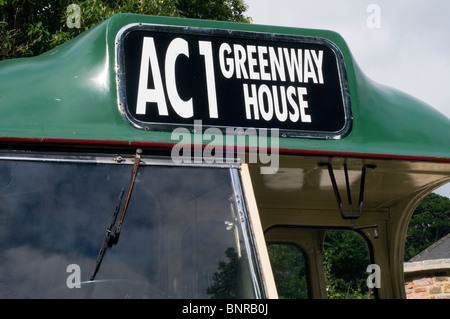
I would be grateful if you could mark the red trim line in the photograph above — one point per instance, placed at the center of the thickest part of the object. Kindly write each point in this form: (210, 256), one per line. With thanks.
(282, 151)
(365, 155)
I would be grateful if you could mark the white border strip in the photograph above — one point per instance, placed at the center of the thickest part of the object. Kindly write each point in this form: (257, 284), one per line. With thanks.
(256, 227)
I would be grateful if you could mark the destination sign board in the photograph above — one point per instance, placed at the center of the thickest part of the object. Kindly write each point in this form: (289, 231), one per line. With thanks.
(171, 76)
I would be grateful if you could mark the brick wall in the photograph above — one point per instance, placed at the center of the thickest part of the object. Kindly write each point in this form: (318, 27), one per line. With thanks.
(428, 279)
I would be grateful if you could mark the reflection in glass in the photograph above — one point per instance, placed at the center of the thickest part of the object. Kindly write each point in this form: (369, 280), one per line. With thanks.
(290, 270)
(178, 231)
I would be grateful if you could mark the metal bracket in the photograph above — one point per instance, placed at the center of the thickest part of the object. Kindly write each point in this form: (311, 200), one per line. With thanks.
(351, 216)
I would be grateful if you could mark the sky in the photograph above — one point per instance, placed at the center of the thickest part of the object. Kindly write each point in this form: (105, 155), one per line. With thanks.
(404, 44)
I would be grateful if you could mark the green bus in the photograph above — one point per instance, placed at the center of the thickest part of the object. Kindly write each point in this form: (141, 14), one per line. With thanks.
(201, 143)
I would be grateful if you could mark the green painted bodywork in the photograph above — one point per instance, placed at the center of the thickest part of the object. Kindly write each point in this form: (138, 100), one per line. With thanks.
(69, 93)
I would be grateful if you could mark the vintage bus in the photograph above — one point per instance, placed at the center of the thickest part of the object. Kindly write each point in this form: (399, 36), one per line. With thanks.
(201, 143)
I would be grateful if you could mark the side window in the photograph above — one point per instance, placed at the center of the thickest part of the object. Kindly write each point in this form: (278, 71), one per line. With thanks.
(289, 270)
(345, 258)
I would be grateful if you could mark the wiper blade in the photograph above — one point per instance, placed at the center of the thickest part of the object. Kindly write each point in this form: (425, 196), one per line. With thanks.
(112, 232)
(107, 238)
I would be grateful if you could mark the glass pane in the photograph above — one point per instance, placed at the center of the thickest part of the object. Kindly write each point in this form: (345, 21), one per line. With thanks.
(289, 271)
(179, 239)
(346, 257)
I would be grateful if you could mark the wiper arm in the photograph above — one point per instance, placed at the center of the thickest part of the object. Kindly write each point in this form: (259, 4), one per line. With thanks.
(112, 232)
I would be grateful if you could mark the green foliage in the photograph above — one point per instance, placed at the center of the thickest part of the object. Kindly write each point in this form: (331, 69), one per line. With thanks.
(429, 223)
(226, 283)
(346, 258)
(289, 270)
(225, 10)
(29, 28)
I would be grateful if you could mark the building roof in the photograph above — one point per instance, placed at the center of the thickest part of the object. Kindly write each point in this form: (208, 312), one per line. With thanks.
(439, 250)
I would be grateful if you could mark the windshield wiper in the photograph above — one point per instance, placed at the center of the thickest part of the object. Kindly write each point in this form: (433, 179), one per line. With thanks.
(113, 232)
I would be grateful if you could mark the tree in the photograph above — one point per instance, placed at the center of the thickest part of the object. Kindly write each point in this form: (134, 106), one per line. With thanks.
(345, 258)
(29, 28)
(225, 10)
(226, 279)
(429, 223)
(289, 271)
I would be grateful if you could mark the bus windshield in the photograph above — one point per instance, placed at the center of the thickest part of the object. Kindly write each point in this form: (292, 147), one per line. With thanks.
(181, 238)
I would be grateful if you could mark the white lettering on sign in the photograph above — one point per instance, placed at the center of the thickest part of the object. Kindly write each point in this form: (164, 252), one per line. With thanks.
(302, 65)
(256, 98)
(177, 47)
(145, 94)
(206, 50)
(263, 102)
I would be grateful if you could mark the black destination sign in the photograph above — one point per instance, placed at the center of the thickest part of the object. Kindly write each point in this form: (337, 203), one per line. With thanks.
(169, 77)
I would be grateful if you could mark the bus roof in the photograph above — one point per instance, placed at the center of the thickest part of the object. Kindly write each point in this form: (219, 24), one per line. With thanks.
(70, 95)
